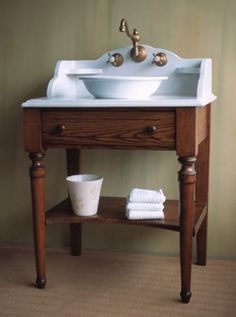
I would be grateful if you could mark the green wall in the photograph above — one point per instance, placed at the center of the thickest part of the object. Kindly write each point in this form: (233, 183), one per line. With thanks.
(35, 34)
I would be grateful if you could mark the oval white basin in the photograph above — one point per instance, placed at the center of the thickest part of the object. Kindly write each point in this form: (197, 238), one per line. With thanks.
(122, 87)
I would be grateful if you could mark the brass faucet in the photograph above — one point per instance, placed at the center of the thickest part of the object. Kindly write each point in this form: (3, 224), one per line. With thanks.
(138, 52)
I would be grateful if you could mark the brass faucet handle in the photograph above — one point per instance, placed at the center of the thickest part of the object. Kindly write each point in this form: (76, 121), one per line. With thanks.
(115, 59)
(160, 59)
(135, 37)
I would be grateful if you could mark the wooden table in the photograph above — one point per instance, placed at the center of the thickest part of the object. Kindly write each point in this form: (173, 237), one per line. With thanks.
(181, 129)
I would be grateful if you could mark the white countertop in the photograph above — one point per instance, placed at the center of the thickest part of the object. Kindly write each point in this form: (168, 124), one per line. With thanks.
(160, 101)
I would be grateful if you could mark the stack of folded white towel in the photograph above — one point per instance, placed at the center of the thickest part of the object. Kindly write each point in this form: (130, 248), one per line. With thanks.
(145, 204)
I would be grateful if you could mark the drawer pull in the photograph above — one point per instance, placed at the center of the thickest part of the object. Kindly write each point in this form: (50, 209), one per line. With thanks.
(151, 129)
(58, 129)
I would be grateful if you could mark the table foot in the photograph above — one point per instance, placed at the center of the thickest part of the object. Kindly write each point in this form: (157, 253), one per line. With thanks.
(41, 282)
(185, 296)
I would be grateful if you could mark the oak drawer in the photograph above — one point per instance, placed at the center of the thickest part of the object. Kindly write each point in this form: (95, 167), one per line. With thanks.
(109, 128)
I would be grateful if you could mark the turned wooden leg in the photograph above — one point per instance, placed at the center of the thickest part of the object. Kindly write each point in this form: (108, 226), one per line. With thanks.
(187, 179)
(73, 160)
(37, 174)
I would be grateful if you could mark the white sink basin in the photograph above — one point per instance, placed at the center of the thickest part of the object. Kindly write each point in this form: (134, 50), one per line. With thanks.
(122, 87)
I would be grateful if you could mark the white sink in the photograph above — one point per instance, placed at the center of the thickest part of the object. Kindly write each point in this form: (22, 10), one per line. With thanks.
(122, 87)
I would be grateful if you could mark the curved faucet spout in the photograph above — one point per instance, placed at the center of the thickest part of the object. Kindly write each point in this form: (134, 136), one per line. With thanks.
(123, 25)
(124, 28)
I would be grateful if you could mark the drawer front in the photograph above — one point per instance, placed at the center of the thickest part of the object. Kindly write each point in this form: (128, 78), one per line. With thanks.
(109, 128)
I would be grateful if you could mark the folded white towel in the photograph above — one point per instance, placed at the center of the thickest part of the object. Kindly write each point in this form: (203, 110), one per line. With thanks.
(141, 215)
(146, 196)
(144, 206)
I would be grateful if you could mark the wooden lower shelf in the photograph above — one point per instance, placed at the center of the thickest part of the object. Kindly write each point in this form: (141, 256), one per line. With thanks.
(112, 210)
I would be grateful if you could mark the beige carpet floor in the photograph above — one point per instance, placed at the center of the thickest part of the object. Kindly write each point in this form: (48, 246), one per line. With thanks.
(112, 284)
